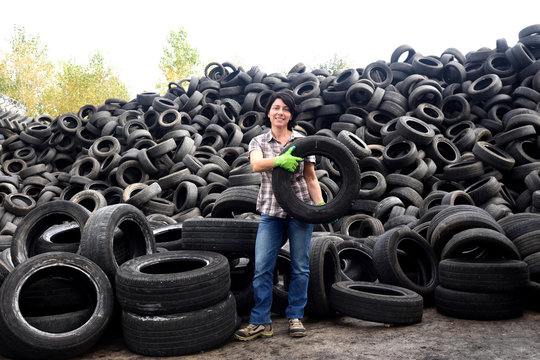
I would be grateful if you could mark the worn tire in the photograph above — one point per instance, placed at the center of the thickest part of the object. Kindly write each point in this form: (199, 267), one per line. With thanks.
(350, 181)
(478, 305)
(483, 275)
(381, 303)
(324, 270)
(37, 221)
(181, 333)
(29, 342)
(172, 282)
(102, 243)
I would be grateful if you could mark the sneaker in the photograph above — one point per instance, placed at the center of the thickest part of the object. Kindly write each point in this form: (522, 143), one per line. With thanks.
(253, 331)
(296, 329)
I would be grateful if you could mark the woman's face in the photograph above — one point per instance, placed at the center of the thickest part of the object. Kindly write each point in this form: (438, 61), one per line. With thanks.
(279, 114)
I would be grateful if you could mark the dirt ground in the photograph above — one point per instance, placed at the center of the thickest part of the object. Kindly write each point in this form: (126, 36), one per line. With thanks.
(436, 337)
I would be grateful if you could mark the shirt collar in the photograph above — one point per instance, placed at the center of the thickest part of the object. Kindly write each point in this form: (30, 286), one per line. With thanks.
(268, 136)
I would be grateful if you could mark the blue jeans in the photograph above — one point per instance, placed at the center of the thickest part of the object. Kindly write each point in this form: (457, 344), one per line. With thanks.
(269, 241)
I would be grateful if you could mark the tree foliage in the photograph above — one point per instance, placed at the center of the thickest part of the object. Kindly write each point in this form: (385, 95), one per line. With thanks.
(77, 85)
(333, 64)
(26, 71)
(28, 76)
(179, 60)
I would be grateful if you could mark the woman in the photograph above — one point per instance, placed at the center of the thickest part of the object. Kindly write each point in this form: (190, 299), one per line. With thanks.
(264, 154)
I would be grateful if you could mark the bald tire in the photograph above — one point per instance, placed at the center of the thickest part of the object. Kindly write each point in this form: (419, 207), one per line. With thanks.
(181, 333)
(172, 282)
(377, 302)
(478, 305)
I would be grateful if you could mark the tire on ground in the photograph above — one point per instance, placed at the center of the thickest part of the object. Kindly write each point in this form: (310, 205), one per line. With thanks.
(382, 303)
(29, 341)
(172, 282)
(181, 333)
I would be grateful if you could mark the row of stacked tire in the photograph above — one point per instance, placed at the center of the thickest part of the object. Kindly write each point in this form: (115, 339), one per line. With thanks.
(447, 145)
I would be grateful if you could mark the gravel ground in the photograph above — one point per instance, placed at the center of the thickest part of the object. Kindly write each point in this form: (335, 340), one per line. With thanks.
(436, 337)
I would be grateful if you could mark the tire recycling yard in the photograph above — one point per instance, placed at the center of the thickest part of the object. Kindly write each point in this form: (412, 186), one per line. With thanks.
(127, 228)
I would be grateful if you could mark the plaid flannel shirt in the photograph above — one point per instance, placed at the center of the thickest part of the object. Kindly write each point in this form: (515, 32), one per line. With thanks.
(270, 147)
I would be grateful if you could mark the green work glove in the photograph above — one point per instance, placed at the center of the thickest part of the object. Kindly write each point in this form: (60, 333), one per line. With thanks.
(323, 203)
(287, 161)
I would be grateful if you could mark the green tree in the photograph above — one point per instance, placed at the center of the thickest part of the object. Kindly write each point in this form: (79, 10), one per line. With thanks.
(179, 60)
(26, 71)
(333, 64)
(76, 85)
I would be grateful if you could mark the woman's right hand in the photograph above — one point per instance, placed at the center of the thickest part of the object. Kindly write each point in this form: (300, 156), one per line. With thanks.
(288, 161)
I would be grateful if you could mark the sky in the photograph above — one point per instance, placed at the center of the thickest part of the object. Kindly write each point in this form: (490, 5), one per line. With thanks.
(273, 35)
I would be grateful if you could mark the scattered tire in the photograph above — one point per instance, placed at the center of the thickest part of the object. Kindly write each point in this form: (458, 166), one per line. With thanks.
(28, 340)
(115, 234)
(381, 303)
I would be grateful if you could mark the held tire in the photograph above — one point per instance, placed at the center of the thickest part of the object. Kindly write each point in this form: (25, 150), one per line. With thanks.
(342, 201)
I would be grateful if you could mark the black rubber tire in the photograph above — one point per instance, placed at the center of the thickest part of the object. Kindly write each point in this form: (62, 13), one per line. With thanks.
(360, 225)
(103, 243)
(29, 342)
(18, 204)
(356, 261)
(169, 236)
(221, 235)
(349, 186)
(180, 334)
(381, 303)
(60, 323)
(478, 305)
(491, 243)
(527, 243)
(61, 237)
(37, 221)
(324, 270)
(491, 155)
(373, 185)
(414, 268)
(483, 275)
(280, 289)
(454, 219)
(415, 130)
(357, 146)
(236, 200)
(172, 282)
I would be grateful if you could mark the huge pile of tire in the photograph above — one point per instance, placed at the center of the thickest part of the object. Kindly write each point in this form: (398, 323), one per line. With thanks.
(449, 154)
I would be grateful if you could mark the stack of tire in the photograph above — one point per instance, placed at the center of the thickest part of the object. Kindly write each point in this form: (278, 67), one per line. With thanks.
(59, 296)
(176, 302)
(400, 280)
(232, 238)
(524, 229)
(481, 274)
